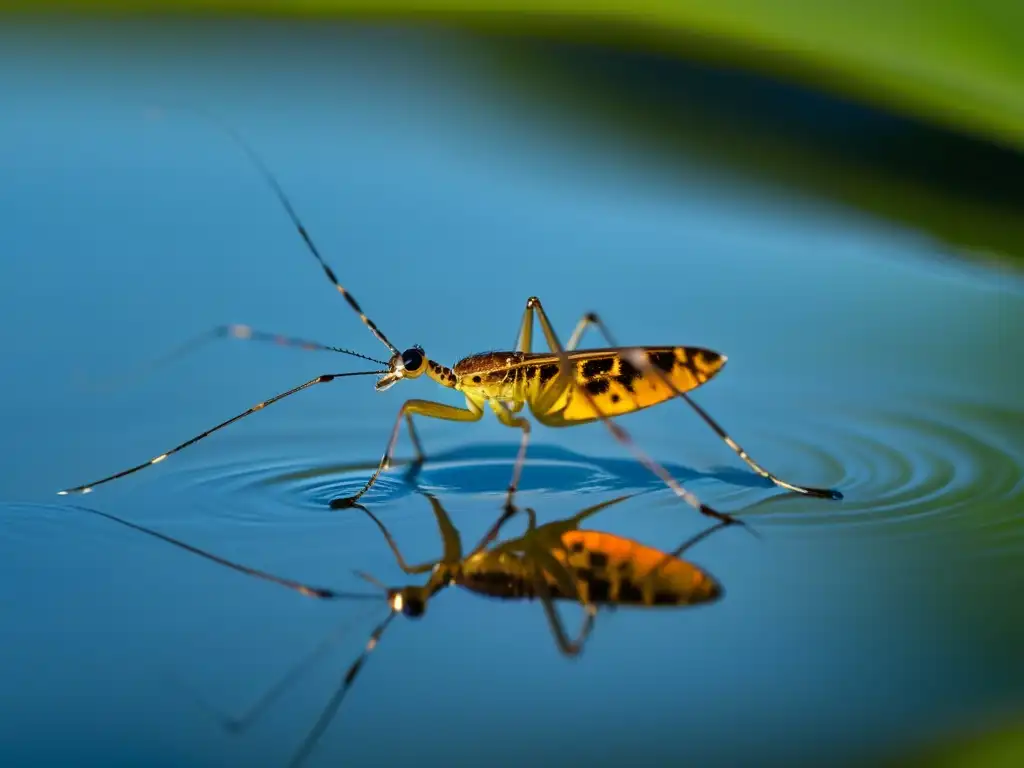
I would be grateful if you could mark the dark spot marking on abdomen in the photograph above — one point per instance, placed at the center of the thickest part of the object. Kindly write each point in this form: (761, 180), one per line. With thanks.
(664, 360)
(627, 375)
(599, 590)
(630, 592)
(593, 368)
(598, 559)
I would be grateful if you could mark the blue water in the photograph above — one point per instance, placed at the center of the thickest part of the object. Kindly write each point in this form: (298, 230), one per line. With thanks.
(444, 194)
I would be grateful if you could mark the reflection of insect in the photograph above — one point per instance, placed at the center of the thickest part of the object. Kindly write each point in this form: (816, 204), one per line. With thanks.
(563, 387)
(555, 561)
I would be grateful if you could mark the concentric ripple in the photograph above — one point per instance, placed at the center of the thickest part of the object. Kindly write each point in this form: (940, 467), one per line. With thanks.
(911, 464)
(917, 464)
(245, 489)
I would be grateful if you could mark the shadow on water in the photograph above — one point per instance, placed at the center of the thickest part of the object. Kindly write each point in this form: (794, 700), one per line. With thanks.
(555, 561)
(485, 469)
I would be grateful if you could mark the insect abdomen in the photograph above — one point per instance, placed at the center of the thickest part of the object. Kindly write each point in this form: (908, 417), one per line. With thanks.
(617, 386)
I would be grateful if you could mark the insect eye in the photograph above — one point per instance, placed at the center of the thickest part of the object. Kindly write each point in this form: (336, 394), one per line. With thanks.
(414, 607)
(412, 359)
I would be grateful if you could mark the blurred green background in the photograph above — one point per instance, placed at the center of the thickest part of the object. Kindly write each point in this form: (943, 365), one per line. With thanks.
(960, 64)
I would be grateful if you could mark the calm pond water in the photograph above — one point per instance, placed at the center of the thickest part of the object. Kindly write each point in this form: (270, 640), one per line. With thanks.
(445, 192)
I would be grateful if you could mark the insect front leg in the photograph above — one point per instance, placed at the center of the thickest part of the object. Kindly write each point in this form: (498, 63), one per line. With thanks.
(473, 412)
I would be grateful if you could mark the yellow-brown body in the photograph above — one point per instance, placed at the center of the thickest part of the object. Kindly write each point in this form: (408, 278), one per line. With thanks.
(613, 383)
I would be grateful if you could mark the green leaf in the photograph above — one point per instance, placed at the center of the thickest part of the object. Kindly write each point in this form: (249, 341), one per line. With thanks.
(958, 63)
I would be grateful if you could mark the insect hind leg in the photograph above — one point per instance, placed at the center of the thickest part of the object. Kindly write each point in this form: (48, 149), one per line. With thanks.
(541, 408)
(641, 362)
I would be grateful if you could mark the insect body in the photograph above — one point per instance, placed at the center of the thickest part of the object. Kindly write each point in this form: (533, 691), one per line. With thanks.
(562, 387)
(556, 561)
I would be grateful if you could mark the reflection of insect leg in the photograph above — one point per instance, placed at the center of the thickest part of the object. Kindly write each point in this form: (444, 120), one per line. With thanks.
(565, 645)
(423, 408)
(549, 398)
(567, 583)
(449, 535)
(678, 551)
(644, 365)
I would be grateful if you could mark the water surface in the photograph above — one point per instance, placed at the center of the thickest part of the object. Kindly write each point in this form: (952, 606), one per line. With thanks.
(860, 357)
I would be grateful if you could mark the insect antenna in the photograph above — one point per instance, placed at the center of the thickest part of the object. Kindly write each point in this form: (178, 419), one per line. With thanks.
(329, 711)
(227, 331)
(290, 210)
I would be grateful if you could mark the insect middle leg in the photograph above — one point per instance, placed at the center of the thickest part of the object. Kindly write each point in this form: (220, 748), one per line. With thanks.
(641, 362)
(474, 412)
(565, 645)
(509, 419)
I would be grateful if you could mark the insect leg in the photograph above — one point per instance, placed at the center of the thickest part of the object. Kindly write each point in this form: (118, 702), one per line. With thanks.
(642, 363)
(586, 321)
(524, 341)
(412, 569)
(506, 417)
(525, 344)
(541, 410)
(449, 534)
(507, 514)
(820, 493)
(565, 645)
(423, 408)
